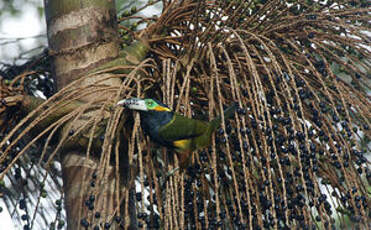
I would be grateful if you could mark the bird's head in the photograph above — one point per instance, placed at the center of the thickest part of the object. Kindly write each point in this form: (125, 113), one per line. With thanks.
(144, 105)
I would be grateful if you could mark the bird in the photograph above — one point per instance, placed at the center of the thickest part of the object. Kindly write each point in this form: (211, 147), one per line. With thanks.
(173, 130)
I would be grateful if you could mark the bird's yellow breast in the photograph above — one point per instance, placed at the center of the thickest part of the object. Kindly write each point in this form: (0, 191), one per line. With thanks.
(181, 144)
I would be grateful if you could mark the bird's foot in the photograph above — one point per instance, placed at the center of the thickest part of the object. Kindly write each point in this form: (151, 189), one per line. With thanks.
(171, 173)
(168, 175)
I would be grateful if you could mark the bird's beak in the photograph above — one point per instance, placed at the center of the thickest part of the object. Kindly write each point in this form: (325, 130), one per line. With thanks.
(133, 103)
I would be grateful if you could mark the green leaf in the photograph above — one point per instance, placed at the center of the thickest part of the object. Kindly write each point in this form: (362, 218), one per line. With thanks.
(40, 10)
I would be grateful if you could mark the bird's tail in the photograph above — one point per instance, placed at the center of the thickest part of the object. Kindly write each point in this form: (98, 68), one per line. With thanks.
(228, 113)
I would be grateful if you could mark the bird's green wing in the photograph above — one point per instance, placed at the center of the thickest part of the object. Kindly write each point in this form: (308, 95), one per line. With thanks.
(181, 128)
(186, 134)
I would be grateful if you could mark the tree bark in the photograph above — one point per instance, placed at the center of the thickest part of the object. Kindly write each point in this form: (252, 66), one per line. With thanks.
(82, 36)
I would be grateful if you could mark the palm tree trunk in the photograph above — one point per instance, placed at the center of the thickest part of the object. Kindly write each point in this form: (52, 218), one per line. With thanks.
(82, 35)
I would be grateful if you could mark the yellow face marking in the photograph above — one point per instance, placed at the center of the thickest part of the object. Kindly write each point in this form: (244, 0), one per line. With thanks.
(161, 108)
(181, 144)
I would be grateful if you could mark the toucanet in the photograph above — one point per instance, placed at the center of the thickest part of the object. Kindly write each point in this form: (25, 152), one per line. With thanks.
(173, 130)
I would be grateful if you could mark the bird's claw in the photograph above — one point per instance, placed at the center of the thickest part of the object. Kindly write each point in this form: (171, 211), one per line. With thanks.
(168, 175)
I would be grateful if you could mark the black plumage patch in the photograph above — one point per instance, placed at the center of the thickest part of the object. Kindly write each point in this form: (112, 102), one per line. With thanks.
(151, 121)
